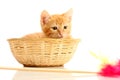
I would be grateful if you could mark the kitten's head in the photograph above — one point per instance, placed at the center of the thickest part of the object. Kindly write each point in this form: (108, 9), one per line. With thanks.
(57, 25)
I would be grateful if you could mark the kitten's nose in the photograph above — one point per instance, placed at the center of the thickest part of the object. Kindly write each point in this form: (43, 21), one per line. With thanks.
(60, 34)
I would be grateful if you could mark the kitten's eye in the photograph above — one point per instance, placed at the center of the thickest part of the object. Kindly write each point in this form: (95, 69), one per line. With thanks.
(54, 28)
(65, 27)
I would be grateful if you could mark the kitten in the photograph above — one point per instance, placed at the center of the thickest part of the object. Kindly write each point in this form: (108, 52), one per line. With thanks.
(54, 26)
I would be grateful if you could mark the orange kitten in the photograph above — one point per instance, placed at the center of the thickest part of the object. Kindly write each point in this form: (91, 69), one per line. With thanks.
(54, 26)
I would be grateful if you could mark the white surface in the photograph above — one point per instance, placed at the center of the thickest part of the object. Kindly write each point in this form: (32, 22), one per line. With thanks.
(24, 75)
(96, 22)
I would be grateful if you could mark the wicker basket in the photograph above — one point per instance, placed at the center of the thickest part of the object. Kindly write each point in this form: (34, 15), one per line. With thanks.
(43, 52)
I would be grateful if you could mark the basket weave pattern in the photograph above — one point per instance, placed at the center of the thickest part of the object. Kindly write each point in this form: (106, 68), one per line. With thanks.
(43, 52)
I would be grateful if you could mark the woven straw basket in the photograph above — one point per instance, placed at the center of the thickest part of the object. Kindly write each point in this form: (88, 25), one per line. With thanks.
(43, 52)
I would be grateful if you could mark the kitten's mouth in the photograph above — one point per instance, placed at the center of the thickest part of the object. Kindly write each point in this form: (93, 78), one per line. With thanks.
(55, 36)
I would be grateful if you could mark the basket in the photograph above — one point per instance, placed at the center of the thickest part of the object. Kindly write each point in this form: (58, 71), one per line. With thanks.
(43, 52)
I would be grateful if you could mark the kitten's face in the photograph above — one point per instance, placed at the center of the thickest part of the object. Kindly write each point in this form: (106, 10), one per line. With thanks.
(56, 26)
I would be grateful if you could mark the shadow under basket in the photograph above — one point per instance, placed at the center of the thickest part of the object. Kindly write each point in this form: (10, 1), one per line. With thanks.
(43, 52)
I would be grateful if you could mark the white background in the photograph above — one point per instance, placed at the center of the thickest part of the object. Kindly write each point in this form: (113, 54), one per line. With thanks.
(95, 22)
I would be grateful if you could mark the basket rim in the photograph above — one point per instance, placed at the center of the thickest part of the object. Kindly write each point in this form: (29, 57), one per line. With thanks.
(77, 39)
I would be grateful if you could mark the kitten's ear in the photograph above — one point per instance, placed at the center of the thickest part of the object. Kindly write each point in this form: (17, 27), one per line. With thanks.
(68, 14)
(44, 17)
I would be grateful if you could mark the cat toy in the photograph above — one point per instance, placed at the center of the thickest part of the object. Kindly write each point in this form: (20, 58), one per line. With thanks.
(46, 70)
(108, 67)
